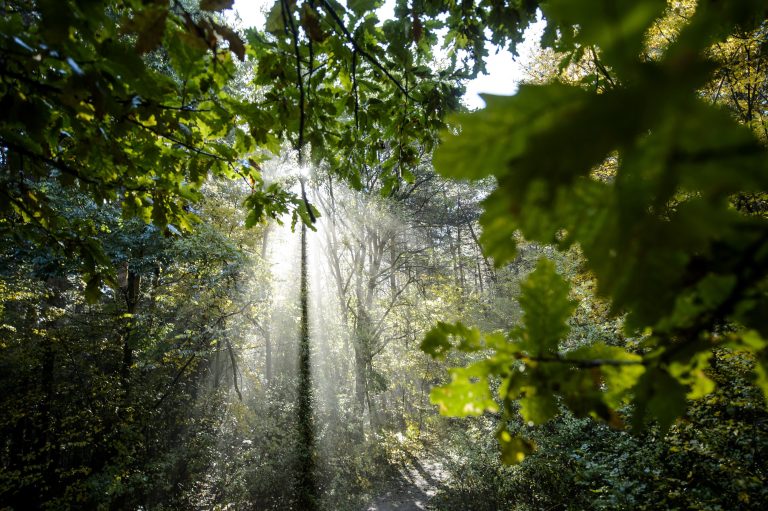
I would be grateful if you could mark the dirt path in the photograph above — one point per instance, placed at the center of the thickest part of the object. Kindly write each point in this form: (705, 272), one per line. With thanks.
(417, 483)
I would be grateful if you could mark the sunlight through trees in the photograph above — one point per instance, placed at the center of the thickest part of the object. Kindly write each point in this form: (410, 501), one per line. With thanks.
(285, 267)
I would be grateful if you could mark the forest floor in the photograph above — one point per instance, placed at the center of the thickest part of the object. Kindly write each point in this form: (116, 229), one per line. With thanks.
(420, 477)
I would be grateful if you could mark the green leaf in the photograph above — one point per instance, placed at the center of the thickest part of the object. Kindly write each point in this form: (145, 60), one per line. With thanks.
(93, 289)
(437, 341)
(692, 374)
(547, 308)
(467, 393)
(253, 217)
(236, 44)
(360, 7)
(618, 27)
(499, 229)
(658, 395)
(752, 340)
(275, 23)
(504, 135)
(310, 21)
(618, 378)
(150, 26)
(538, 405)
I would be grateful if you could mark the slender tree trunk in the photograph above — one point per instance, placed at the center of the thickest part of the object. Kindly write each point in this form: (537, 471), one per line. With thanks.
(268, 355)
(479, 276)
(360, 378)
(133, 287)
(307, 494)
(453, 251)
(266, 330)
(392, 263)
(373, 417)
(49, 418)
(460, 259)
(488, 264)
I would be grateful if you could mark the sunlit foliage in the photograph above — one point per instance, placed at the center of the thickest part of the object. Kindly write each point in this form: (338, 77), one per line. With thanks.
(667, 237)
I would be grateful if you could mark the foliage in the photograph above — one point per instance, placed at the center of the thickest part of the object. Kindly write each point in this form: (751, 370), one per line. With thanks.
(664, 234)
(106, 403)
(532, 372)
(358, 92)
(125, 101)
(135, 102)
(710, 459)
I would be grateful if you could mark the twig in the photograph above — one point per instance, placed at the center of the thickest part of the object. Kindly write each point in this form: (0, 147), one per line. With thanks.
(362, 52)
(233, 359)
(600, 67)
(288, 22)
(54, 163)
(175, 140)
(585, 364)
(354, 90)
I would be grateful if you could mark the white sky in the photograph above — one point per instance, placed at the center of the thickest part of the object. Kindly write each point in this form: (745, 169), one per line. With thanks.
(503, 76)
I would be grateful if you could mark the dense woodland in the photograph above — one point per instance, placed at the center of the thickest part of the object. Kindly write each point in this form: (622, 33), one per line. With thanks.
(283, 267)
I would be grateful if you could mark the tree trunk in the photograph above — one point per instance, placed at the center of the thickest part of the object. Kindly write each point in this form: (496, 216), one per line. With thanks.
(268, 355)
(307, 495)
(360, 379)
(49, 439)
(133, 287)
(460, 259)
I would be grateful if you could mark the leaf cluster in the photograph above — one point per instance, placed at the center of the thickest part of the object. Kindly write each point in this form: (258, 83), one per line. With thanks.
(660, 233)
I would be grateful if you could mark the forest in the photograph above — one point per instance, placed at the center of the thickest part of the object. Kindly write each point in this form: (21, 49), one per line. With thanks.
(287, 267)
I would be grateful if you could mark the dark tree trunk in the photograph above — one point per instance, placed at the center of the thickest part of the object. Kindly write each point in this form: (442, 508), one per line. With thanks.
(307, 493)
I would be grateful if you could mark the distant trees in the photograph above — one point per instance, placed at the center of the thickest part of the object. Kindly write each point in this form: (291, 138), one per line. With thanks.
(96, 395)
(117, 117)
(384, 255)
(369, 253)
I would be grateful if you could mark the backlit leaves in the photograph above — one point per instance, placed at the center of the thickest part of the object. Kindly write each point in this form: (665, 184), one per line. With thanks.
(150, 26)
(527, 367)
(352, 90)
(466, 394)
(360, 7)
(437, 342)
(544, 298)
(514, 449)
(617, 27)
(134, 111)
(660, 234)
(618, 377)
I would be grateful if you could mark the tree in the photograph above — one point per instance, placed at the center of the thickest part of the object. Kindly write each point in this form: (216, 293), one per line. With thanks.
(133, 102)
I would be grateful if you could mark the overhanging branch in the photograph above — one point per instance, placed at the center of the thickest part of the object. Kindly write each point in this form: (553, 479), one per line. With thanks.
(361, 51)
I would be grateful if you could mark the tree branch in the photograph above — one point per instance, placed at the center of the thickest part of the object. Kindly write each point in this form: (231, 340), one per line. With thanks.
(584, 363)
(288, 22)
(361, 51)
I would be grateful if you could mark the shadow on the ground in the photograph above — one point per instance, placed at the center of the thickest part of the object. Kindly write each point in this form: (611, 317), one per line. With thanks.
(418, 481)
